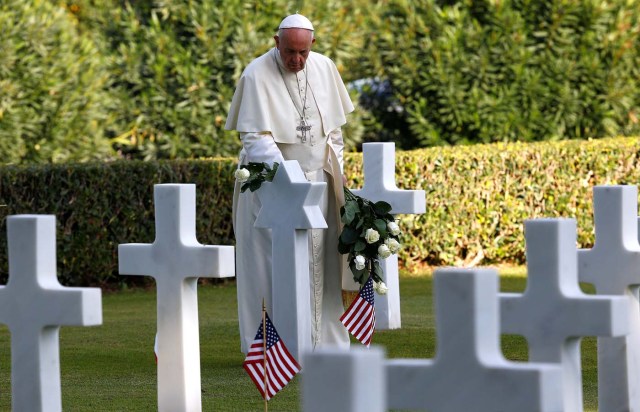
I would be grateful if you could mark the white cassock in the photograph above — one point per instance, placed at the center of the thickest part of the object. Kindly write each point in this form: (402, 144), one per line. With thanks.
(268, 116)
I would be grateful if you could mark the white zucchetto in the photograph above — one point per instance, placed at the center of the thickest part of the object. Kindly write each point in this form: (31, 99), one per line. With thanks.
(296, 21)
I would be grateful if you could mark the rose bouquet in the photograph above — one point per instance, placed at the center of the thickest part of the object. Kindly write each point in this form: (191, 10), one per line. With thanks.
(370, 232)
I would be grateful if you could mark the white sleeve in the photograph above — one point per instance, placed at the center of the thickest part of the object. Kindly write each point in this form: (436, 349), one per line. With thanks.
(260, 147)
(338, 145)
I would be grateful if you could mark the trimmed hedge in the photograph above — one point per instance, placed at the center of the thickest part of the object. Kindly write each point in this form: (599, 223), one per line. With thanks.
(99, 206)
(479, 197)
(477, 200)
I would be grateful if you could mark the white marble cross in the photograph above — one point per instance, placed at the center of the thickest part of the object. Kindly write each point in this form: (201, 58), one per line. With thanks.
(290, 206)
(34, 306)
(344, 380)
(176, 260)
(613, 267)
(469, 372)
(553, 314)
(380, 184)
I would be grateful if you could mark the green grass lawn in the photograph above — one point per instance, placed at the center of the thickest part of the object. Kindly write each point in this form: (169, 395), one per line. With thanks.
(111, 367)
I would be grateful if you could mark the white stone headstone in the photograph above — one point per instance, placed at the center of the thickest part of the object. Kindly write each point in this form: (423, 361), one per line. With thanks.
(176, 260)
(344, 380)
(553, 313)
(469, 372)
(613, 267)
(290, 206)
(34, 306)
(380, 185)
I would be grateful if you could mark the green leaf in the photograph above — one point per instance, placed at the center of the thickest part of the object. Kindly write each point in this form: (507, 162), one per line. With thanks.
(255, 185)
(350, 211)
(255, 167)
(359, 276)
(343, 248)
(377, 269)
(381, 208)
(381, 226)
(271, 173)
(360, 246)
(348, 236)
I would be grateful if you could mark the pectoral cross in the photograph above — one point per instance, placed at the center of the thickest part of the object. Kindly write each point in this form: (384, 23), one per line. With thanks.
(303, 128)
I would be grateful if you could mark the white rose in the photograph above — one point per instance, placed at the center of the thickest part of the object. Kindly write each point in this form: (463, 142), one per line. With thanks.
(371, 236)
(360, 262)
(383, 251)
(393, 245)
(380, 288)
(242, 175)
(393, 228)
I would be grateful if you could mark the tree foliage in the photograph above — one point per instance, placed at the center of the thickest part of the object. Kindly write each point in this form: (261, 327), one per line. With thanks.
(520, 70)
(175, 66)
(54, 104)
(97, 79)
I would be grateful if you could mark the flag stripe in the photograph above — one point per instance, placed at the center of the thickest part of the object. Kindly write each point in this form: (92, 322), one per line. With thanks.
(281, 366)
(357, 322)
(284, 359)
(351, 314)
(360, 317)
(363, 322)
(256, 375)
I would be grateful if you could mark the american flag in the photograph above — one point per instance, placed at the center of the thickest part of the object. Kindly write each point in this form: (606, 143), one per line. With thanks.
(281, 366)
(360, 318)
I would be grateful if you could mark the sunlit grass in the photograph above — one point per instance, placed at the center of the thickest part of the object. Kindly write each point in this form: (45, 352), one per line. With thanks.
(111, 367)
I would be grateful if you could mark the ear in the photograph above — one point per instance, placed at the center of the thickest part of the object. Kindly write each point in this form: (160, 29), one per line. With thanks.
(277, 39)
(313, 40)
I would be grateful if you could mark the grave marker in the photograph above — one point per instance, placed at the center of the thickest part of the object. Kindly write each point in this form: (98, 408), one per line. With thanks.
(613, 267)
(553, 314)
(176, 260)
(380, 184)
(290, 206)
(469, 372)
(34, 305)
(344, 380)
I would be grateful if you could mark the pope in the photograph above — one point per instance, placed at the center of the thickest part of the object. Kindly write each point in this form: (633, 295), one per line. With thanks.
(290, 104)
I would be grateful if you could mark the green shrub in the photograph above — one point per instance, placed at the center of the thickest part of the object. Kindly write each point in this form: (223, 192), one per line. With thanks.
(175, 66)
(53, 101)
(520, 70)
(154, 79)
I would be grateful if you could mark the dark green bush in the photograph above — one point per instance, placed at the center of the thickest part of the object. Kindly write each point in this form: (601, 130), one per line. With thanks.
(98, 206)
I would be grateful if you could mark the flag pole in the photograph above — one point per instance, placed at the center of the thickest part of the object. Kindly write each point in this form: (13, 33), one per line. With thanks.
(264, 354)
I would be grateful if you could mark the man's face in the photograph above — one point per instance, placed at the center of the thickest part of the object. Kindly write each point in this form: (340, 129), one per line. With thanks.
(294, 46)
